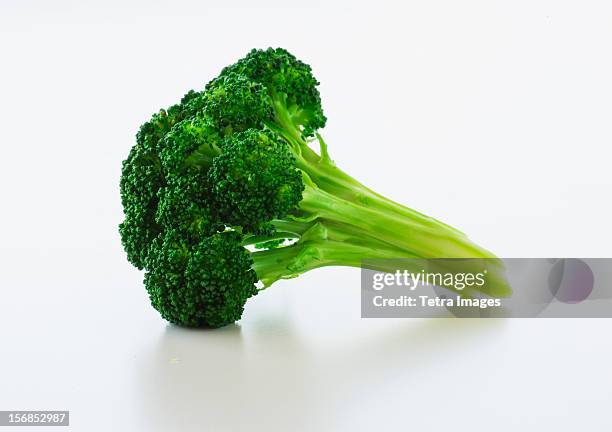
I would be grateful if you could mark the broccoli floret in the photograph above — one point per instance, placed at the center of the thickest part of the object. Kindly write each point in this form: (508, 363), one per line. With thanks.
(141, 178)
(206, 283)
(235, 103)
(289, 83)
(224, 190)
(255, 180)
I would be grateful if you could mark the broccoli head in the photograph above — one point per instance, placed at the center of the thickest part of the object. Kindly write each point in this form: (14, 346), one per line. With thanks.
(224, 190)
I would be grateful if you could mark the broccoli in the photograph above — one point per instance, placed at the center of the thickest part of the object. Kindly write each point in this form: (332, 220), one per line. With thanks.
(224, 191)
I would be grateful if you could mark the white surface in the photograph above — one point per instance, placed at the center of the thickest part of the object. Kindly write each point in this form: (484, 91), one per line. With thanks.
(492, 116)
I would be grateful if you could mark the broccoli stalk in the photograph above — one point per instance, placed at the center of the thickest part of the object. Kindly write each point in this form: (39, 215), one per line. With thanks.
(230, 169)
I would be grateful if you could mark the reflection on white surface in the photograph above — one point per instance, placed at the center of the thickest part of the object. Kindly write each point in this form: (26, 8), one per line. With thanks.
(268, 377)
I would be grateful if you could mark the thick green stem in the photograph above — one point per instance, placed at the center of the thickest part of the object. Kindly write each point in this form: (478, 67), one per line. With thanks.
(320, 245)
(328, 177)
(332, 179)
(334, 195)
(328, 244)
(404, 232)
(292, 261)
(366, 225)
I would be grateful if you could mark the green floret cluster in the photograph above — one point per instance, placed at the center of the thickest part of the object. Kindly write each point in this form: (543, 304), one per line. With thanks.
(224, 190)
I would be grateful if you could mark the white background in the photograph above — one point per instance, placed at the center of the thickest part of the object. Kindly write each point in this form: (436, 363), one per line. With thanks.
(492, 116)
